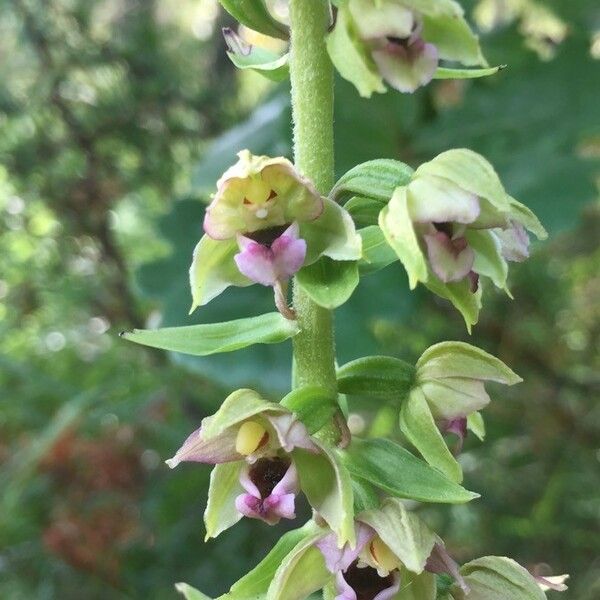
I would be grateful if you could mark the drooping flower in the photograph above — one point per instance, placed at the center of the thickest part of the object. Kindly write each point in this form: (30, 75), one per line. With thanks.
(453, 224)
(265, 222)
(399, 42)
(448, 391)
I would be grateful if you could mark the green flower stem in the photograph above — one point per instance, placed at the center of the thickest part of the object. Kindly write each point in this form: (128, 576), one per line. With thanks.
(311, 74)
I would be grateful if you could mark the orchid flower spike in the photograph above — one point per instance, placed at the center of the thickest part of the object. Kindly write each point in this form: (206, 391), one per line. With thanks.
(399, 42)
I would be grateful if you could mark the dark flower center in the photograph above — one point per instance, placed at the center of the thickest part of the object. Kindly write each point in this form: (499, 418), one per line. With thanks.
(266, 473)
(365, 581)
(267, 236)
(444, 228)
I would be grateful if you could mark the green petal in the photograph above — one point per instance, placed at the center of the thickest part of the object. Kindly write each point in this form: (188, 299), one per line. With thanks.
(327, 485)
(520, 213)
(497, 578)
(476, 424)
(377, 253)
(416, 587)
(333, 234)
(489, 261)
(270, 64)
(471, 172)
(396, 224)
(406, 535)
(225, 487)
(418, 425)
(213, 270)
(461, 296)
(446, 73)
(351, 58)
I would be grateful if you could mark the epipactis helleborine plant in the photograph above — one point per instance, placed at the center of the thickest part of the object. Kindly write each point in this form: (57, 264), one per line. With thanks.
(450, 223)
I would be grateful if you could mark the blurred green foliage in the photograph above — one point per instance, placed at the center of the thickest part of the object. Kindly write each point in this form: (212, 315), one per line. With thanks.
(109, 112)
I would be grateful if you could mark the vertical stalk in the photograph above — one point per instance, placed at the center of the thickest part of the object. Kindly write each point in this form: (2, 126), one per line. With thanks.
(311, 74)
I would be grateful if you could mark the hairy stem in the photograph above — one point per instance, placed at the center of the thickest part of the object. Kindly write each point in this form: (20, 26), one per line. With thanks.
(311, 75)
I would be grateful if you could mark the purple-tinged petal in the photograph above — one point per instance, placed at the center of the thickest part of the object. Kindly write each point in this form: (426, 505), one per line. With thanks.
(387, 19)
(344, 591)
(255, 261)
(289, 484)
(440, 562)
(289, 253)
(339, 559)
(458, 427)
(214, 451)
(291, 432)
(247, 482)
(363, 582)
(280, 506)
(406, 66)
(552, 582)
(450, 259)
(514, 242)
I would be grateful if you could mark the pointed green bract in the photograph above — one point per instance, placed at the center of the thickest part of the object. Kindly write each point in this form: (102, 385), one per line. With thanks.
(418, 425)
(374, 179)
(476, 424)
(497, 578)
(489, 261)
(406, 535)
(312, 405)
(447, 73)
(329, 283)
(213, 338)
(224, 488)
(190, 593)
(396, 471)
(376, 375)
(463, 299)
(377, 253)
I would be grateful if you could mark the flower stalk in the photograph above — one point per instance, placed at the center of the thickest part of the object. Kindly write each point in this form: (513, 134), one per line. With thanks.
(311, 74)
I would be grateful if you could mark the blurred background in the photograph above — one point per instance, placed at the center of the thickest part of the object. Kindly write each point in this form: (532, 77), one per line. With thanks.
(116, 118)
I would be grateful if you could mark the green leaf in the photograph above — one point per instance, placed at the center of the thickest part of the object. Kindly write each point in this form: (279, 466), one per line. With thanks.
(270, 64)
(254, 14)
(459, 359)
(418, 425)
(333, 234)
(377, 253)
(446, 73)
(257, 581)
(376, 375)
(392, 468)
(497, 578)
(374, 179)
(329, 283)
(313, 405)
(189, 592)
(396, 224)
(416, 587)
(213, 270)
(301, 572)
(351, 57)
(328, 488)
(364, 211)
(224, 488)
(212, 338)
(406, 535)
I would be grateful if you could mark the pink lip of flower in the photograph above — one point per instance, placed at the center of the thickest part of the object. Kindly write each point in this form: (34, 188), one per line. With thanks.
(458, 427)
(277, 263)
(278, 504)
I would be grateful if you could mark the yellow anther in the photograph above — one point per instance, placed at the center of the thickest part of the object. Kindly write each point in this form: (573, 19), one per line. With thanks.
(257, 190)
(249, 438)
(383, 556)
